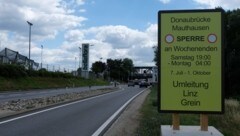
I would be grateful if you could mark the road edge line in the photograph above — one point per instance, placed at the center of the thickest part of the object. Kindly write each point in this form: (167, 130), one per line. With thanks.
(111, 119)
(52, 108)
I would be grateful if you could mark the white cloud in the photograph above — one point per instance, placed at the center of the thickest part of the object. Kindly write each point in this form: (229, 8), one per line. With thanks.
(3, 39)
(225, 4)
(52, 17)
(152, 31)
(165, 1)
(116, 42)
(119, 36)
(74, 35)
(82, 10)
(48, 17)
(80, 2)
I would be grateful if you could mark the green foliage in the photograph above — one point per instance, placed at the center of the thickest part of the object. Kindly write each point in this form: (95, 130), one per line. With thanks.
(151, 120)
(27, 83)
(12, 71)
(98, 67)
(156, 55)
(228, 123)
(120, 69)
(232, 53)
(17, 71)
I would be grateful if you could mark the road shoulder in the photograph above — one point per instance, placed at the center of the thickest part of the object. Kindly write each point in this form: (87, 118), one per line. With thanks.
(128, 121)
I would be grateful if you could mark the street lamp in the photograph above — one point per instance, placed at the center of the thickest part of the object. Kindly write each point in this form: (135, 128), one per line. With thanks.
(30, 24)
(41, 54)
(76, 63)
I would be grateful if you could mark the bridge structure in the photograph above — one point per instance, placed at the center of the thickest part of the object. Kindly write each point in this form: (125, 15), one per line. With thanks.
(149, 73)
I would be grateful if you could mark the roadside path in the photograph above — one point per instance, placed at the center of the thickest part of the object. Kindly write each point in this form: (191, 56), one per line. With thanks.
(128, 121)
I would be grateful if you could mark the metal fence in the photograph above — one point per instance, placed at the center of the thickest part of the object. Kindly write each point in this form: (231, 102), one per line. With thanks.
(57, 68)
(8, 56)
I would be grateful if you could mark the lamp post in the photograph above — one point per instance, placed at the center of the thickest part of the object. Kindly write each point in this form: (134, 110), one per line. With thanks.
(76, 63)
(29, 55)
(41, 54)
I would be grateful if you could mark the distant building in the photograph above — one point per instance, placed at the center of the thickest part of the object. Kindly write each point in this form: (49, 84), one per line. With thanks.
(8, 56)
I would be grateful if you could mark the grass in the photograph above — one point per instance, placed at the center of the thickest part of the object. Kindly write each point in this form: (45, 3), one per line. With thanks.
(229, 122)
(151, 120)
(26, 83)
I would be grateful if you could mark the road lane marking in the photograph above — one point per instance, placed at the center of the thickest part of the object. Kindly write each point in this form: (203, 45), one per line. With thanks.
(53, 108)
(110, 120)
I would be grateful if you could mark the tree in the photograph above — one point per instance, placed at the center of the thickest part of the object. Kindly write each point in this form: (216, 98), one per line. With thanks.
(114, 68)
(120, 69)
(98, 67)
(232, 53)
(156, 55)
(127, 68)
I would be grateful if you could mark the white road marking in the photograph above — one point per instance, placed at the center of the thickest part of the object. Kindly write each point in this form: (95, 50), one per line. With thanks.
(60, 106)
(109, 120)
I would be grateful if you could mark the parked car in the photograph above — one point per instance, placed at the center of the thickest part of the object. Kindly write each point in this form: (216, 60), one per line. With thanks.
(131, 83)
(143, 84)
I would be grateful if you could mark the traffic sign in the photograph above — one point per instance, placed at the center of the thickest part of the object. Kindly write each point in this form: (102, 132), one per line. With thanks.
(191, 61)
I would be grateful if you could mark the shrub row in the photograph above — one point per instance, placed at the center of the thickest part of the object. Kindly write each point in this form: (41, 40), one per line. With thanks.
(45, 73)
(12, 71)
(16, 71)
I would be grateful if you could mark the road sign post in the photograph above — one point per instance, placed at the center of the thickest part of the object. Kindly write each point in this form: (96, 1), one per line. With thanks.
(176, 121)
(204, 122)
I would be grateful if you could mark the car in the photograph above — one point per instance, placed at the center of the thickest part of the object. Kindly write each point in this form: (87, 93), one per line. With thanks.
(143, 84)
(131, 83)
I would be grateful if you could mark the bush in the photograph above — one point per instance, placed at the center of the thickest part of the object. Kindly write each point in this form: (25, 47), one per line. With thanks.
(12, 71)
(17, 71)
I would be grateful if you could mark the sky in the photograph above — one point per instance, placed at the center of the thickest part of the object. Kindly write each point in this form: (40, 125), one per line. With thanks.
(117, 29)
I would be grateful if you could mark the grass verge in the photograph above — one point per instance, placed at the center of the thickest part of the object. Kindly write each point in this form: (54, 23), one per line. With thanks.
(228, 123)
(26, 83)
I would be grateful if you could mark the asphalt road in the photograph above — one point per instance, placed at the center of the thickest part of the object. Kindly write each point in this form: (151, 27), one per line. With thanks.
(44, 93)
(81, 118)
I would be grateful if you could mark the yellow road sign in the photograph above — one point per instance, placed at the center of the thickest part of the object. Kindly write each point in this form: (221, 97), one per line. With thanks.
(191, 59)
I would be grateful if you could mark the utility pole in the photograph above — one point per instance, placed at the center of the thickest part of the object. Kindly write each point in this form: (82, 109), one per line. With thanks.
(41, 54)
(29, 55)
(76, 63)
